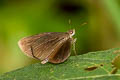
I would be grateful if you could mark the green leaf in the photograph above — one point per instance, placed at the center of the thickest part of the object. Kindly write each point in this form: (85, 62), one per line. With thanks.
(74, 68)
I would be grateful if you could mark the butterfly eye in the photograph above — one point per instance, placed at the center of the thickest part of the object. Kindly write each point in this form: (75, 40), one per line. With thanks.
(71, 32)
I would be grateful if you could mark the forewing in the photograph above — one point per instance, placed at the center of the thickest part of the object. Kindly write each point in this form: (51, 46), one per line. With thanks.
(42, 44)
(43, 49)
(25, 43)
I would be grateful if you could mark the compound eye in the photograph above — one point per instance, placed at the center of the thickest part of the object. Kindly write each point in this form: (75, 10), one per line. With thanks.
(71, 32)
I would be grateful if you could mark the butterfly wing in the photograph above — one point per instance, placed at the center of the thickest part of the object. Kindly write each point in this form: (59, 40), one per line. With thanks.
(43, 44)
(25, 43)
(62, 53)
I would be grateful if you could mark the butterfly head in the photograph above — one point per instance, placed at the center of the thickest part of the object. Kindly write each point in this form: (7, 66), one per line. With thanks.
(71, 32)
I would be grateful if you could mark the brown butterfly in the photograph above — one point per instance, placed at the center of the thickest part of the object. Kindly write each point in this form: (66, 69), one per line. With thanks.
(51, 47)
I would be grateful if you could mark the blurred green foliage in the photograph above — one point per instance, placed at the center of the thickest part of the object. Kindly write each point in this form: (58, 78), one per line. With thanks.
(28, 17)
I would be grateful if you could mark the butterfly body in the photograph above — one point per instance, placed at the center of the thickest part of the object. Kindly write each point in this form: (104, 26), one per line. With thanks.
(51, 47)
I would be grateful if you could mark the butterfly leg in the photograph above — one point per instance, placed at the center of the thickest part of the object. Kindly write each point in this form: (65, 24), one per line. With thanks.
(44, 61)
(74, 41)
(33, 54)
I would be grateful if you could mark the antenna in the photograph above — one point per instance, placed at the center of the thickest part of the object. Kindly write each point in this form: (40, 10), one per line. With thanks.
(76, 28)
(70, 23)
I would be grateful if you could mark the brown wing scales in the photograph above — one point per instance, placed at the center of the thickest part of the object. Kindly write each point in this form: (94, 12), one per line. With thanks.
(62, 53)
(42, 44)
(42, 51)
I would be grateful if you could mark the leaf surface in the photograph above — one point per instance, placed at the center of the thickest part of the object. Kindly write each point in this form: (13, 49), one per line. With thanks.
(72, 69)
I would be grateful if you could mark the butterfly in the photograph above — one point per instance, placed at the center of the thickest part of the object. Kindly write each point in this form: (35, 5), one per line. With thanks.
(54, 47)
